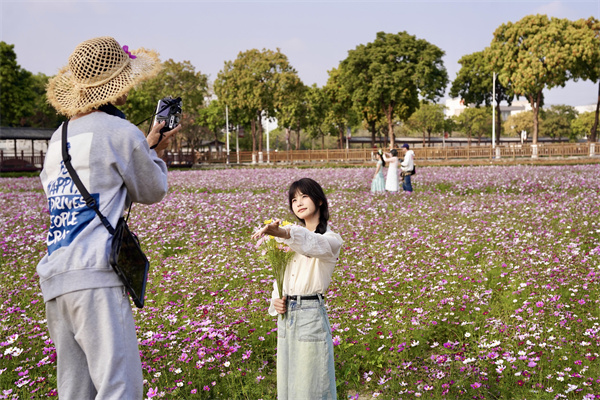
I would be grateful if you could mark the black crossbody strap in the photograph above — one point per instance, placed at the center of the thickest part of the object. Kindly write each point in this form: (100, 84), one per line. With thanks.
(89, 200)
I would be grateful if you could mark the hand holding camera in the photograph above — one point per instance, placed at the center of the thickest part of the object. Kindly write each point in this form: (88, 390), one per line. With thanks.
(165, 124)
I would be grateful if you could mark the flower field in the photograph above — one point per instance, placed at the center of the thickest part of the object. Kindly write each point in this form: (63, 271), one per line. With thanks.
(483, 284)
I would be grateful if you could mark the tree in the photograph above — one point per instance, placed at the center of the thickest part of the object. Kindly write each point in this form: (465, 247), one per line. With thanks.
(556, 121)
(17, 97)
(428, 118)
(340, 113)
(176, 79)
(475, 121)
(317, 109)
(212, 118)
(533, 54)
(391, 73)
(43, 115)
(587, 63)
(293, 113)
(516, 123)
(256, 84)
(582, 125)
(474, 85)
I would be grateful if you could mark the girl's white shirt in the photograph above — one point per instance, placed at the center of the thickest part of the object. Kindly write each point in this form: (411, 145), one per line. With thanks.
(309, 271)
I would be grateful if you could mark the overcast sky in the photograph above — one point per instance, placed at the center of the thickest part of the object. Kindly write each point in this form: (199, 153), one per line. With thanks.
(315, 35)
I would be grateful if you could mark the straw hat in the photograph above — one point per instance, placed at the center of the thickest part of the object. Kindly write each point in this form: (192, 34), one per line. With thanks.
(99, 72)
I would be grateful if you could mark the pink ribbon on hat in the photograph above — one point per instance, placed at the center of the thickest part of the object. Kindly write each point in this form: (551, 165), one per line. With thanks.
(126, 50)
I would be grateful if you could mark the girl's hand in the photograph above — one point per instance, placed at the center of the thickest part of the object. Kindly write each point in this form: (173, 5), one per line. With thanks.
(272, 229)
(280, 305)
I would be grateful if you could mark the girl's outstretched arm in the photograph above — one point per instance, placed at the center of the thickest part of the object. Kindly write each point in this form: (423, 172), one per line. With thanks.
(313, 244)
(272, 229)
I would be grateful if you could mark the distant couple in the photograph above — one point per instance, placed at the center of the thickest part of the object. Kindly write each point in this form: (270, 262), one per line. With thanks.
(390, 183)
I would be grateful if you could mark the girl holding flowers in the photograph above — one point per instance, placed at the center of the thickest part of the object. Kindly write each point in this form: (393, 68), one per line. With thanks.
(305, 366)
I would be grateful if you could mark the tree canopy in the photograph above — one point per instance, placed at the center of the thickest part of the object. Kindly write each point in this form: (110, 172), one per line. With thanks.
(176, 79)
(537, 53)
(587, 63)
(16, 93)
(428, 118)
(475, 121)
(391, 73)
(516, 123)
(557, 120)
(257, 83)
(582, 125)
(474, 85)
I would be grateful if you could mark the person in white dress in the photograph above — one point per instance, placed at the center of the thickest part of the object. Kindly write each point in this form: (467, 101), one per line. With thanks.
(391, 180)
(305, 363)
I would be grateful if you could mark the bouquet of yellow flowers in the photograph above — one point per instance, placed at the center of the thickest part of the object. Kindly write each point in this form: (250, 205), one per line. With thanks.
(278, 255)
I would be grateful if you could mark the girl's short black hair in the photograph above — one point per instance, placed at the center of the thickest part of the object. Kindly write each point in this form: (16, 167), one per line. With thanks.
(394, 152)
(313, 190)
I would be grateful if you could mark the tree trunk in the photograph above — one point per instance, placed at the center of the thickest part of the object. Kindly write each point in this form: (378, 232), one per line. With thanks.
(253, 126)
(298, 137)
(260, 131)
(429, 138)
(498, 122)
(341, 129)
(322, 141)
(535, 105)
(373, 126)
(594, 131)
(287, 139)
(424, 138)
(389, 114)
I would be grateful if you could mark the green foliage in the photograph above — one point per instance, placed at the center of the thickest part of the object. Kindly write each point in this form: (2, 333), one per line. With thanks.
(538, 53)
(516, 123)
(318, 107)
(557, 120)
(387, 76)
(475, 121)
(428, 118)
(294, 112)
(340, 112)
(176, 79)
(474, 84)
(587, 62)
(255, 84)
(44, 115)
(16, 93)
(213, 117)
(582, 125)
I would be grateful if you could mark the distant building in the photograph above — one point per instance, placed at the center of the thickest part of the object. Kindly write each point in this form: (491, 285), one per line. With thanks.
(454, 107)
(588, 108)
(16, 140)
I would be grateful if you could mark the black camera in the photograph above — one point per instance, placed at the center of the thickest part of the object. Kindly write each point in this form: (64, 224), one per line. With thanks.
(169, 110)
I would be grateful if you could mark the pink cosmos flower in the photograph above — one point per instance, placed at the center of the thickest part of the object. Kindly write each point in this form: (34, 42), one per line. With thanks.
(152, 392)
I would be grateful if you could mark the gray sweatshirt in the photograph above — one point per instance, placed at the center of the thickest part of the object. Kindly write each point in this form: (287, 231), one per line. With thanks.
(115, 164)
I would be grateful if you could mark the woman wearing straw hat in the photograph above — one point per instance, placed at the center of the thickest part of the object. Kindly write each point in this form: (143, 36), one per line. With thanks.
(87, 308)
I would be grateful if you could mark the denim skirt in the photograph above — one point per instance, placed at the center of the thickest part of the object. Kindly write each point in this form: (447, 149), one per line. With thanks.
(305, 366)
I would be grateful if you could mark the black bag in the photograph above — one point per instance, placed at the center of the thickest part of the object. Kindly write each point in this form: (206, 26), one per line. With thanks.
(409, 173)
(126, 256)
(129, 262)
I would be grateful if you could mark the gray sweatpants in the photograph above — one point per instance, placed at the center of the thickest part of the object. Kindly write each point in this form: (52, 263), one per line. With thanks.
(96, 346)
